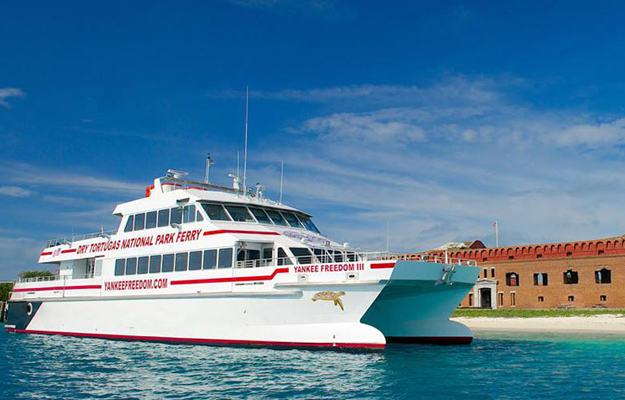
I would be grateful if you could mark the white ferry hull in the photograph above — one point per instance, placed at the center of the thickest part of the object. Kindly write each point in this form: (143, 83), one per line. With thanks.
(411, 304)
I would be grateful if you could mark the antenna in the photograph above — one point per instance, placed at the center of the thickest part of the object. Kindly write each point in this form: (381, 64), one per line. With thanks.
(387, 235)
(247, 100)
(209, 164)
(281, 180)
(238, 169)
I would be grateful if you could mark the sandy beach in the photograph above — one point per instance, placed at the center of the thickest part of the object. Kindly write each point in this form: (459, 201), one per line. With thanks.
(597, 323)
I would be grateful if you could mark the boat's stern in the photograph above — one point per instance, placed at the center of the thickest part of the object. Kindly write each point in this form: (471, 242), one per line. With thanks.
(418, 299)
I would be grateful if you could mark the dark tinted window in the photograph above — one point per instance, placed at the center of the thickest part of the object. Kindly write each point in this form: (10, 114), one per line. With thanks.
(142, 267)
(120, 267)
(276, 217)
(139, 222)
(131, 266)
(168, 263)
(195, 260)
(189, 214)
(216, 212)
(130, 224)
(239, 213)
(176, 215)
(182, 259)
(150, 220)
(283, 259)
(292, 219)
(199, 216)
(163, 217)
(210, 259)
(155, 264)
(260, 215)
(302, 254)
(308, 224)
(225, 258)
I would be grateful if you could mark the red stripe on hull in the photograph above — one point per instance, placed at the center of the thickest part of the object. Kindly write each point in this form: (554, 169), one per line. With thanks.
(385, 265)
(223, 342)
(233, 279)
(68, 251)
(443, 340)
(219, 232)
(46, 253)
(40, 289)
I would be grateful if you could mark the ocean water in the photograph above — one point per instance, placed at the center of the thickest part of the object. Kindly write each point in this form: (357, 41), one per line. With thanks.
(496, 366)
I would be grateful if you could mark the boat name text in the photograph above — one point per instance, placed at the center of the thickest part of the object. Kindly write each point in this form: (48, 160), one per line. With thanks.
(309, 269)
(143, 241)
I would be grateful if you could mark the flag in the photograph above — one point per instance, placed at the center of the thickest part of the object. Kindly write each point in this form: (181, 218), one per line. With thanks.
(495, 223)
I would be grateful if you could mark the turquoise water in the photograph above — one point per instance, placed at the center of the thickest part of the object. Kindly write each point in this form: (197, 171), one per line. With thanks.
(495, 366)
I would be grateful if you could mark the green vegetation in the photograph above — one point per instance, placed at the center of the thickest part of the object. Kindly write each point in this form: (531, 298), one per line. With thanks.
(35, 274)
(5, 289)
(533, 313)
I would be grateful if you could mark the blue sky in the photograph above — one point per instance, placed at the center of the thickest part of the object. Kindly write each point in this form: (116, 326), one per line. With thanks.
(438, 117)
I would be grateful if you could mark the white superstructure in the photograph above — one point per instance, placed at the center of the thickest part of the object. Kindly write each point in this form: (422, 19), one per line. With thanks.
(195, 262)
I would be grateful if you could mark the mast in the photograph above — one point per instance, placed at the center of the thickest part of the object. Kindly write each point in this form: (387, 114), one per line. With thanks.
(281, 180)
(247, 100)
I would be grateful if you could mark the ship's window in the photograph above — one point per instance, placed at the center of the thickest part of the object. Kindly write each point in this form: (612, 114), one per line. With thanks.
(120, 267)
(150, 220)
(130, 223)
(351, 256)
(260, 215)
(308, 224)
(198, 216)
(195, 260)
(215, 212)
(155, 264)
(142, 267)
(163, 217)
(182, 260)
(239, 214)
(225, 258)
(302, 254)
(189, 214)
(292, 219)
(571, 277)
(338, 256)
(603, 275)
(322, 256)
(267, 253)
(168, 263)
(276, 217)
(176, 215)
(131, 266)
(139, 222)
(283, 259)
(210, 259)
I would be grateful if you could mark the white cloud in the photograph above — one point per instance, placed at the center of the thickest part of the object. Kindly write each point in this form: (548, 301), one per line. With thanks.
(590, 135)
(7, 93)
(16, 191)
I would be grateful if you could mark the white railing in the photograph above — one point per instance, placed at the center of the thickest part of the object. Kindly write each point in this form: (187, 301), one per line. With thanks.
(54, 278)
(76, 238)
(347, 257)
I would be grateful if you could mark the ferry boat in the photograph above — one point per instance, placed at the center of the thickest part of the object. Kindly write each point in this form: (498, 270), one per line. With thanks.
(200, 263)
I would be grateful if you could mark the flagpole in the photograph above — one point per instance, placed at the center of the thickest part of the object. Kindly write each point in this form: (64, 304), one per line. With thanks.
(496, 224)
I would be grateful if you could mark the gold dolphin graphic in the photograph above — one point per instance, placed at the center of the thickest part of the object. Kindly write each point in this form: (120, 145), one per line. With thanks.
(333, 296)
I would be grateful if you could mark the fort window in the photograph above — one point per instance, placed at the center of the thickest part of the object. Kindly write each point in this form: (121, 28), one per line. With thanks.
(539, 256)
(484, 259)
(603, 297)
(470, 299)
(500, 299)
(512, 299)
(569, 253)
(510, 257)
(541, 279)
(603, 275)
(492, 272)
(485, 273)
(571, 277)
(512, 279)
(600, 252)
(541, 299)
(571, 298)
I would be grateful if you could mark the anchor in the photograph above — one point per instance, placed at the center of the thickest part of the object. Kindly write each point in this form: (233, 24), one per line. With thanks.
(448, 272)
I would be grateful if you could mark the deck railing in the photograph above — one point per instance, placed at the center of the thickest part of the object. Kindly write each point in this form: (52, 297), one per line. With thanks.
(76, 238)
